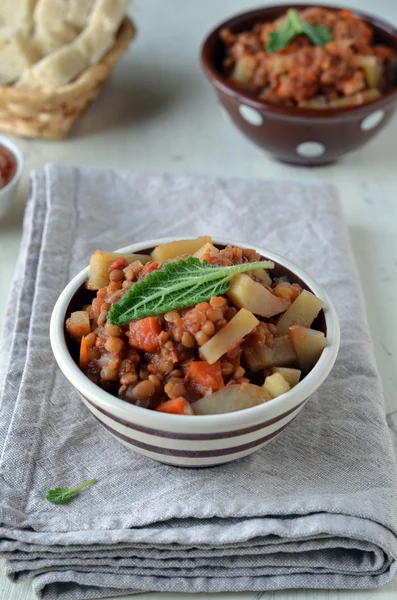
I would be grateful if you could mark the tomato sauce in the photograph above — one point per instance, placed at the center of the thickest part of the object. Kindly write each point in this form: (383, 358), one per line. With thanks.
(8, 166)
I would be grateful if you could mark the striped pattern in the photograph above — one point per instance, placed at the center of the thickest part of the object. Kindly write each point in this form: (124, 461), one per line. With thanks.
(193, 450)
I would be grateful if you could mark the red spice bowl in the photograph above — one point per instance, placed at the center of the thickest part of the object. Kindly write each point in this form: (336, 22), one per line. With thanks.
(11, 167)
(302, 136)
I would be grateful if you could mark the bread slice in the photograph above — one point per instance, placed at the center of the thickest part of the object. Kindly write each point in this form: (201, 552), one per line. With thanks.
(17, 14)
(57, 22)
(78, 12)
(109, 12)
(94, 41)
(55, 70)
(17, 53)
(100, 33)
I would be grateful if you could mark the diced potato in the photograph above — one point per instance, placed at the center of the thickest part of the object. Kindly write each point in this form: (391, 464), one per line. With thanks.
(229, 336)
(263, 275)
(78, 325)
(205, 250)
(231, 399)
(246, 293)
(291, 375)
(369, 95)
(308, 345)
(276, 385)
(320, 103)
(280, 64)
(98, 275)
(281, 355)
(179, 248)
(244, 69)
(302, 311)
(372, 67)
(356, 100)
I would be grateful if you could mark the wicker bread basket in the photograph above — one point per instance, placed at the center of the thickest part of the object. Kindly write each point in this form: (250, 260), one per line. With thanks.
(50, 115)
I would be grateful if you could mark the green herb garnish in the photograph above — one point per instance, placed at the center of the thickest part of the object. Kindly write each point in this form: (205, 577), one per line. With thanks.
(62, 495)
(178, 285)
(294, 25)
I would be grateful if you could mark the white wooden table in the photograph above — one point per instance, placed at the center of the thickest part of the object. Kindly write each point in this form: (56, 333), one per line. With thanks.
(159, 114)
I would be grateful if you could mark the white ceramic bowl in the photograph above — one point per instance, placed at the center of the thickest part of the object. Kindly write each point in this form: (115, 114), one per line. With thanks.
(197, 441)
(8, 192)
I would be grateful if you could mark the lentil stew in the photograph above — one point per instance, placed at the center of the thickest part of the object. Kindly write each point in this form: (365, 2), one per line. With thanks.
(234, 351)
(348, 67)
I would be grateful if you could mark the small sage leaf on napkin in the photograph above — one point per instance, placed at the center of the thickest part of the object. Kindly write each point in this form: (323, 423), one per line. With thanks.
(63, 495)
(177, 285)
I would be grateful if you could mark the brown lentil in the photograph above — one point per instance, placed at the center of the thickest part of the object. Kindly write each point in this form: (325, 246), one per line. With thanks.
(202, 306)
(176, 373)
(188, 340)
(172, 316)
(164, 337)
(155, 380)
(113, 330)
(143, 390)
(174, 389)
(109, 374)
(217, 301)
(214, 314)
(102, 317)
(227, 368)
(201, 338)
(128, 378)
(208, 328)
(114, 345)
(116, 275)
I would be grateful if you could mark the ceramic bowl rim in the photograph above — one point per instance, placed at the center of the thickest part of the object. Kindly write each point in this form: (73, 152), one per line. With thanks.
(220, 82)
(205, 423)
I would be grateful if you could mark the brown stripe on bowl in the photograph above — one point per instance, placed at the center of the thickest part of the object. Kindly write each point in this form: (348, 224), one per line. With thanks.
(194, 436)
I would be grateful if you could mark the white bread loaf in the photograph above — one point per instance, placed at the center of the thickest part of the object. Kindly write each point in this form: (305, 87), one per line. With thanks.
(17, 53)
(17, 14)
(55, 70)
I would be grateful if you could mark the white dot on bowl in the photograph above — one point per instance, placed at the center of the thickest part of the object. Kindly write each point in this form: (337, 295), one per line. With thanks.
(372, 120)
(251, 115)
(310, 149)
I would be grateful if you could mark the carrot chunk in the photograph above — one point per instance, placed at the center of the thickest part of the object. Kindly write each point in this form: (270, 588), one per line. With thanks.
(205, 378)
(148, 268)
(177, 406)
(83, 360)
(119, 263)
(144, 334)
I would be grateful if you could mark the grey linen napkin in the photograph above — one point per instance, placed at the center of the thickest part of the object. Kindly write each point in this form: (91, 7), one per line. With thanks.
(316, 508)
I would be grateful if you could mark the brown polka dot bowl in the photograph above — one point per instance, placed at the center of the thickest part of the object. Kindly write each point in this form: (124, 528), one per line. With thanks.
(297, 135)
(194, 441)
